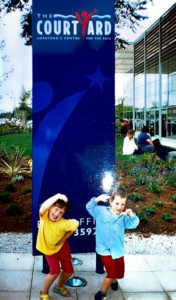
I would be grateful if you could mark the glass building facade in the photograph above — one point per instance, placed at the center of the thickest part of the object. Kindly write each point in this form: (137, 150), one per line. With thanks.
(150, 84)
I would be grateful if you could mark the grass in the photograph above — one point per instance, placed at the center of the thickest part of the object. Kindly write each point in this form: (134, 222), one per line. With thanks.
(118, 150)
(23, 141)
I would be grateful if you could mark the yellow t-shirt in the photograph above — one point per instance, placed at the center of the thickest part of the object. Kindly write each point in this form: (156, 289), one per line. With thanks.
(51, 232)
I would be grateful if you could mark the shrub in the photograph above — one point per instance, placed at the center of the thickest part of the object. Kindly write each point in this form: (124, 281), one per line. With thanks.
(150, 209)
(159, 203)
(13, 209)
(5, 197)
(123, 164)
(17, 178)
(4, 129)
(142, 215)
(173, 197)
(9, 187)
(141, 179)
(174, 207)
(167, 217)
(154, 186)
(14, 163)
(172, 180)
(134, 197)
(27, 190)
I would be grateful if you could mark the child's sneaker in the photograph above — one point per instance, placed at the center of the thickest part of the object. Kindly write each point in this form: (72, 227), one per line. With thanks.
(114, 285)
(99, 296)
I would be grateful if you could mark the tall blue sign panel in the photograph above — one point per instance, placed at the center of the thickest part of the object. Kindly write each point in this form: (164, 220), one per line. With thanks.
(73, 107)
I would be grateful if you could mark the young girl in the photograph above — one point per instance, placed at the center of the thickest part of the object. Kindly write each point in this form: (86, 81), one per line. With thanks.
(111, 223)
(52, 238)
(129, 146)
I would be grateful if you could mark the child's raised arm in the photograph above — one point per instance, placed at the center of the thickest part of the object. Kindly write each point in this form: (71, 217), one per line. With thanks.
(92, 206)
(50, 201)
(131, 220)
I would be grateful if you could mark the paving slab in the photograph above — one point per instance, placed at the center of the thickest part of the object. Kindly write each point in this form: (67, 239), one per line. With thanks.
(111, 295)
(146, 296)
(38, 263)
(54, 296)
(139, 282)
(18, 281)
(172, 295)
(161, 262)
(37, 281)
(136, 263)
(167, 280)
(14, 295)
(89, 263)
(94, 281)
(15, 261)
(37, 284)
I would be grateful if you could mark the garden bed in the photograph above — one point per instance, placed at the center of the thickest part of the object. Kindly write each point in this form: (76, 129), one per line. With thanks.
(155, 223)
(22, 222)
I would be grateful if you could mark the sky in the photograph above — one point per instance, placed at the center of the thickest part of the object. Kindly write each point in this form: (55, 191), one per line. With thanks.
(20, 56)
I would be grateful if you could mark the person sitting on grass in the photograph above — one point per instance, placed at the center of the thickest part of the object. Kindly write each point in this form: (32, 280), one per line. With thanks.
(111, 223)
(144, 140)
(145, 143)
(129, 146)
(52, 238)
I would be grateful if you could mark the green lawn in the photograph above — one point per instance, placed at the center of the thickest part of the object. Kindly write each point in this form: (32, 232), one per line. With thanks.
(118, 150)
(22, 140)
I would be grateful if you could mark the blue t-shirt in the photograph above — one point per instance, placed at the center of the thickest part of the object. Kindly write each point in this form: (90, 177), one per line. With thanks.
(141, 139)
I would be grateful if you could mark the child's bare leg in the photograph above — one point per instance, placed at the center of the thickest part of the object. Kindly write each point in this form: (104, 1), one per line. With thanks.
(48, 282)
(62, 278)
(106, 284)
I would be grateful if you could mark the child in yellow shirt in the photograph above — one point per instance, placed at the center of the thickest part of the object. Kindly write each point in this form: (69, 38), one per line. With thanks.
(52, 238)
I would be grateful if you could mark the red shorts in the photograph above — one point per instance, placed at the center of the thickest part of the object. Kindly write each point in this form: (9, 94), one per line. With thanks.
(63, 258)
(115, 268)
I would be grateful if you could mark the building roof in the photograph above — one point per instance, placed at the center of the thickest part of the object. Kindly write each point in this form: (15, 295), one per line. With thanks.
(160, 35)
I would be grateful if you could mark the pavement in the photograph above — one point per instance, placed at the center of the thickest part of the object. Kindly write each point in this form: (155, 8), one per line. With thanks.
(147, 277)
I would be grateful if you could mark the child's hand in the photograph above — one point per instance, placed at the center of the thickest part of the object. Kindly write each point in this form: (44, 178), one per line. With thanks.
(60, 242)
(62, 197)
(128, 212)
(103, 197)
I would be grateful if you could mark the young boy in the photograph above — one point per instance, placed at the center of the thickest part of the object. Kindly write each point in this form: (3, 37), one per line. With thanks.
(110, 225)
(52, 238)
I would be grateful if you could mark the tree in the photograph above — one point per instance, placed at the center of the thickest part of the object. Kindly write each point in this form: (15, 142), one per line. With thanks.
(24, 111)
(8, 6)
(4, 58)
(121, 108)
(126, 15)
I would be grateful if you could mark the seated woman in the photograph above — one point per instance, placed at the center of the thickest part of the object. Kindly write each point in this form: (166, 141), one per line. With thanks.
(129, 146)
(145, 143)
(144, 140)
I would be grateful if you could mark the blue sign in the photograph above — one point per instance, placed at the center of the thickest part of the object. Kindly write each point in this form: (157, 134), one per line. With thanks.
(73, 107)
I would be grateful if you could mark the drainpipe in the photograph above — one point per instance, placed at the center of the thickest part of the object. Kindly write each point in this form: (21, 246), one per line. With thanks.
(133, 91)
(160, 85)
(145, 81)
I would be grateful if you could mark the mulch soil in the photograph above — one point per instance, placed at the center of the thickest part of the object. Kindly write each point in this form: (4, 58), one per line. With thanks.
(22, 222)
(155, 224)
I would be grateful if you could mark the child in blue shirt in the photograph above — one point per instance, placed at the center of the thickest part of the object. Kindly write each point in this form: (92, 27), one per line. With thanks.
(111, 223)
